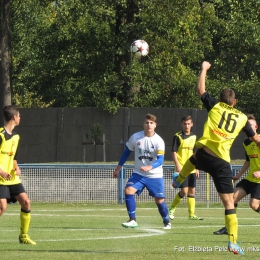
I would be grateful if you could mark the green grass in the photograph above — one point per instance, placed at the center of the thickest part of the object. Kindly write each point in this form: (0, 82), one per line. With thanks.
(73, 231)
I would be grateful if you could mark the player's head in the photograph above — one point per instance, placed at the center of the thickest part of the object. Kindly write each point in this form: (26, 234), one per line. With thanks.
(252, 122)
(187, 124)
(150, 123)
(12, 113)
(227, 96)
(151, 118)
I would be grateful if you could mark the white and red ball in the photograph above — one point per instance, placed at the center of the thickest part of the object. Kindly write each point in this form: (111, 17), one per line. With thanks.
(139, 48)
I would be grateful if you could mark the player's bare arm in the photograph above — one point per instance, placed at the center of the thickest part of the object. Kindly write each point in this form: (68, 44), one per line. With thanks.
(244, 168)
(117, 171)
(202, 78)
(176, 162)
(17, 168)
(256, 139)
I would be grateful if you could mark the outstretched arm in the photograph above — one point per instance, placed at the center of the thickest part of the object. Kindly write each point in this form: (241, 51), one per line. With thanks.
(242, 170)
(202, 78)
(122, 160)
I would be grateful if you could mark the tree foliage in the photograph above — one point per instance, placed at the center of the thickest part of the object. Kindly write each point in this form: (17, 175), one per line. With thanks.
(76, 53)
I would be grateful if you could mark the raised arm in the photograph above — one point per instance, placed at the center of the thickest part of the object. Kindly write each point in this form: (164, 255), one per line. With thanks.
(202, 78)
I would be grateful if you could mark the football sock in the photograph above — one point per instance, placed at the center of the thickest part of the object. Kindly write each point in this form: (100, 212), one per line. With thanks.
(163, 210)
(191, 205)
(25, 218)
(131, 206)
(231, 225)
(177, 200)
(187, 168)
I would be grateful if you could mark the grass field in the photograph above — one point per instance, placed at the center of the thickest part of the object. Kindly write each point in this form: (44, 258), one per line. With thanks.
(83, 231)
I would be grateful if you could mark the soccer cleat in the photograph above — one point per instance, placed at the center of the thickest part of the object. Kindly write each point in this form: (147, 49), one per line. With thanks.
(222, 231)
(130, 224)
(194, 217)
(167, 225)
(175, 184)
(171, 213)
(235, 248)
(25, 239)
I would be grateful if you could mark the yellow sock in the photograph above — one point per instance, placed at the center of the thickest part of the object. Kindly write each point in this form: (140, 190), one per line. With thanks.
(177, 200)
(231, 225)
(191, 205)
(25, 218)
(187, 168)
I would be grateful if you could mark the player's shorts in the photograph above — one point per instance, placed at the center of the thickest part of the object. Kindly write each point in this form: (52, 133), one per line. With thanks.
(155, 186)
(251, 188)
(9, 192)
(219, 170)
(190, 181)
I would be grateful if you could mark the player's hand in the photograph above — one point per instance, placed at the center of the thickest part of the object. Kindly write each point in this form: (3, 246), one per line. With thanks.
(146, 168)
(205, 65)
(235, 178)
(116, 172)
(197, 174)
(5, 175)
(18, 171)
(256, 175)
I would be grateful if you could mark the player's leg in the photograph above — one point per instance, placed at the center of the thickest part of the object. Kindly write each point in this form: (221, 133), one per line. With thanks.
(255, 197)
(191, 197)
(4, 193)
(18, 192)
(221, 173)
(163, 210)
(187, 168)
(133, 186)
(238, 195)
(178, 198)
(155, 187)
(3, 206)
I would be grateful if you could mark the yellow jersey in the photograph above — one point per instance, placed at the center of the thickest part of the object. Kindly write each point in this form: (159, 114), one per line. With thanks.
(8, 150)
(183, 145)
(223, 125)
(253, 156)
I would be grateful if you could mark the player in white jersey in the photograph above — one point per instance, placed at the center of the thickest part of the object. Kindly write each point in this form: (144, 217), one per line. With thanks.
(149, 150)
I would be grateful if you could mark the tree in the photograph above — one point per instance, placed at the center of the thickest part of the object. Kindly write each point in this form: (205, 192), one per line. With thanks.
(5, 55)
(73, 53)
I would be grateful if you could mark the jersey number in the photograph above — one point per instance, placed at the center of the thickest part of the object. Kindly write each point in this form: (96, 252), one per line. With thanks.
(230, 120)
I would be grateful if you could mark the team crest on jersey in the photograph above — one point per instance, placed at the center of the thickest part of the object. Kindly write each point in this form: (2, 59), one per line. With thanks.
(138, 143)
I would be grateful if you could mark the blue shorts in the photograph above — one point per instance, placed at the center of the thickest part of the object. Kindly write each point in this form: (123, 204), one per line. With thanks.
(155, 186)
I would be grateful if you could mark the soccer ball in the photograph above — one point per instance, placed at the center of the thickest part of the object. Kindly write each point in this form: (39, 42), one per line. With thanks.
(139, 48)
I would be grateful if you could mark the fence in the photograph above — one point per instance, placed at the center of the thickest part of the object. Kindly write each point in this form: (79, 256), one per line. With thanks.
(82, 183)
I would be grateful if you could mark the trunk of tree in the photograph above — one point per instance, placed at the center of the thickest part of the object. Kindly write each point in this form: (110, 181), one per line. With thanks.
(5, 56)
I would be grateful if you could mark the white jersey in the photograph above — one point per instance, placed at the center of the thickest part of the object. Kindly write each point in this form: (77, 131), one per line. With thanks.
(146, 150)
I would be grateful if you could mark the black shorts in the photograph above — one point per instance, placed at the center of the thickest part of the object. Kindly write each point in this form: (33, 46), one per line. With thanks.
(9, 192)
(190, 181)
(251, 188)
(219, 170)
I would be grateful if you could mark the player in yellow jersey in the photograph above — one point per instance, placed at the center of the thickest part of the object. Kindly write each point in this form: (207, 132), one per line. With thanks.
(182, 148)
(223, 125)
(251, 183)
(11, 187)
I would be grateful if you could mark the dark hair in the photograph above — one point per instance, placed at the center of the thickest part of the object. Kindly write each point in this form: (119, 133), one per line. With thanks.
(10, 111)
(250, 116)
(227, 96)
(186, 118)
(151, 117)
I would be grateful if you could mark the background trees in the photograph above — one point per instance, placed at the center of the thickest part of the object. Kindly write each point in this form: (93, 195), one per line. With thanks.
(76, 53)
